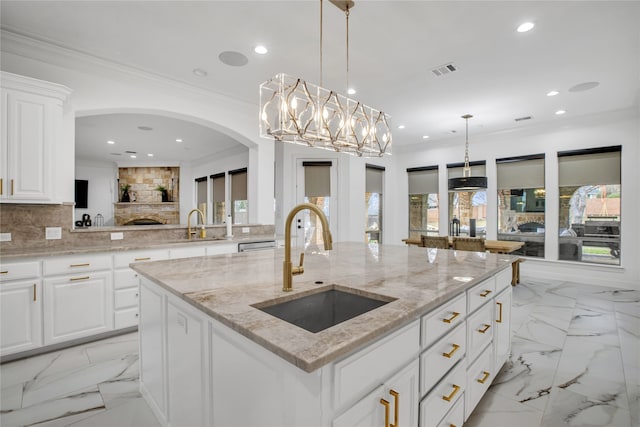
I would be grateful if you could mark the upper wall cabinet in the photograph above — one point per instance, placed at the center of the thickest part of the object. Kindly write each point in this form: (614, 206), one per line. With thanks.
(32, 125)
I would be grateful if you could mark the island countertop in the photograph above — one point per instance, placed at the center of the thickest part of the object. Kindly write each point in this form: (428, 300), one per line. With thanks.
(418, 279)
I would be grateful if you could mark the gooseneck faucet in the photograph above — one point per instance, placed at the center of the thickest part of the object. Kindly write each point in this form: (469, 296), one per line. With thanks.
(288, 270)
(190, 232)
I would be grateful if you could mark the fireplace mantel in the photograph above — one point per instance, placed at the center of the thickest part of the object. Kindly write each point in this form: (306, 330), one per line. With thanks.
(162, 212)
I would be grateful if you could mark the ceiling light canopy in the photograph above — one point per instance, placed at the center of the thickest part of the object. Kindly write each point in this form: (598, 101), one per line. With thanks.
(466, 182)
(296, 111)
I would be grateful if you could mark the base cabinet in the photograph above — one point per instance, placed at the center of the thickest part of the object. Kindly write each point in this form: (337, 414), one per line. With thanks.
(77, 306)
(502, 332)
(21, 308)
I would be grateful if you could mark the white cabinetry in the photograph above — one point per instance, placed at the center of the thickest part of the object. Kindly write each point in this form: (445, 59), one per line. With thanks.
(20, 307)
(32, 125)
(79, 304)
(502, 332)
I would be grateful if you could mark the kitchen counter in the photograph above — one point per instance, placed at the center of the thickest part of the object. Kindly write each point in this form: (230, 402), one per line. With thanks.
(226, 287)
(125, 245)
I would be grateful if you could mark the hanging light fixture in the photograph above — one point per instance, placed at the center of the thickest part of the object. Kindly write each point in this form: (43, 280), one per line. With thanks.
(296, 111)
(466, 182)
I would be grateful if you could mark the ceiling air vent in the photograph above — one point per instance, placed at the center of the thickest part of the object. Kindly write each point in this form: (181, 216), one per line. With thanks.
(520, 119)
(441, 70)
(131, 152)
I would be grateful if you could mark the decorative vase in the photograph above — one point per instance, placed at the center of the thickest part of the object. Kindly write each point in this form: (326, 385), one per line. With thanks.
(165, 196)
(125, 196)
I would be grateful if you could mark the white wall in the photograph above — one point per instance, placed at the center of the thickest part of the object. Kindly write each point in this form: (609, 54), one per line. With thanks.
(614, 128)
(102, 190)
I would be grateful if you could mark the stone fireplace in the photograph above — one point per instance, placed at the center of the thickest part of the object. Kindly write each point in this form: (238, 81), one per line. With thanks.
(163, 213)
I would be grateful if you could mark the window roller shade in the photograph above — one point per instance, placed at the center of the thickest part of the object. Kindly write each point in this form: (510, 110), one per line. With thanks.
(317, 181)
(476, 170)
(218, 189)
(373, 183)
(522, 174)
(423, 182)
(589, 169)
(239, 186)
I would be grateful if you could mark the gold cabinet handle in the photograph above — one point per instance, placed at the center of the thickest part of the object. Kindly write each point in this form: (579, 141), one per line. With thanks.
(485, 375)
(485, 293)
(4, 272)
(34, 292)
(75, 279)
(450, 319)
(453, 350)
(452, 425)
(485, 329)
(1, 186)
(142, 259)
(386, 412)
(396, 407)
(456, 389)
(12, 187)
(86, 264)
(499, 313)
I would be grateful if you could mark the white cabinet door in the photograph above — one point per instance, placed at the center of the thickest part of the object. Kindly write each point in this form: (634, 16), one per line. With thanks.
(20, 316)
(502, 331)
(394, 403)
(152, 346)
(187, 366)
(77, 306)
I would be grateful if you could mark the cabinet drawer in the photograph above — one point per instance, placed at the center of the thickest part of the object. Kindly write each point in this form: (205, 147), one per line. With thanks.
(125, 278)
(479, 377)
(19, 270)
(76, 264)
(443, 396)
(503, 280)
(443, 319)
(479, 331)
(187, 252)
(123, 259)
(222, 248)
(441, 357)
(126, 298)
(362, 371)
(455, 417)
(481, 294)
(126, 318)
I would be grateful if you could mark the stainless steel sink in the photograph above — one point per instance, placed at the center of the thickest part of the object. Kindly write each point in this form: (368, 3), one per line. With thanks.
(322, 310)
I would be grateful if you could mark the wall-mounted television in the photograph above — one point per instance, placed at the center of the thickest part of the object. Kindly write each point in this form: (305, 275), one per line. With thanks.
(82, 189)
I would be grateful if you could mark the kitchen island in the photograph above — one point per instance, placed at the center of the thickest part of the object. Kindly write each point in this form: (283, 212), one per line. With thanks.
(210, 357)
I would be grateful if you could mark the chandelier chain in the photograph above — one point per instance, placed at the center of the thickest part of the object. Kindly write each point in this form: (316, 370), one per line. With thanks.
(321, 2)
(346, 12)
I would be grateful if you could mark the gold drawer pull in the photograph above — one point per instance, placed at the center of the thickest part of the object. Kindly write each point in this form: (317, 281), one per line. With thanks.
(450, 319)
(386, 412)
(142, 259)
(485, 329)
(484, 377)
(453, 350)
(452, 425)
(485, 293)
(34, 292)
(86, 264)
(500, 313)
(456, 389)
(75, 279)
(12, 187)
(396, 405)
(4, 272)
(1, 186)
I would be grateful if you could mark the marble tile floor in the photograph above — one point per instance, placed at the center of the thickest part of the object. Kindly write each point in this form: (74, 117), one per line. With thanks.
(575, 362)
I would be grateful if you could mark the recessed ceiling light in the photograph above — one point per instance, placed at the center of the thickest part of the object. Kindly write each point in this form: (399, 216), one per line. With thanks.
(560, 112)
(400, 126)
(524, 27)
(260, 50)
(425, 136)
(150, 155)
(111, 142)
(133, 156)
(351, 91)
(553, 93)
(200, 72)
(178, 140)
(147, 128)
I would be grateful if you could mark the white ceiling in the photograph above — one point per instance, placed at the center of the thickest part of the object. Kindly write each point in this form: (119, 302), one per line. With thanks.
(393, 46)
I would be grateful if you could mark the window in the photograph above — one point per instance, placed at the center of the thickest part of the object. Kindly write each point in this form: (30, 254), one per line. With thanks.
(373, 203)
(468, 207)
(218, 186)
(521, 202)
(317, 191)
(201, 197)
(423, 201)
(590, 196)
(239, 202)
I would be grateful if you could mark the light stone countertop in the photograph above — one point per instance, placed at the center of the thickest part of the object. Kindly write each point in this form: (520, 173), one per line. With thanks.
(122, 245)
(226, 286)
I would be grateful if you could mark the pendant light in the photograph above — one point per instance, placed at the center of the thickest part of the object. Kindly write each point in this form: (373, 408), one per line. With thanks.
(466, 182)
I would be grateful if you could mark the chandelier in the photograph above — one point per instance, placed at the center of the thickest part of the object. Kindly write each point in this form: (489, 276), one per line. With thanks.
(466, 182)
(296, 111)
